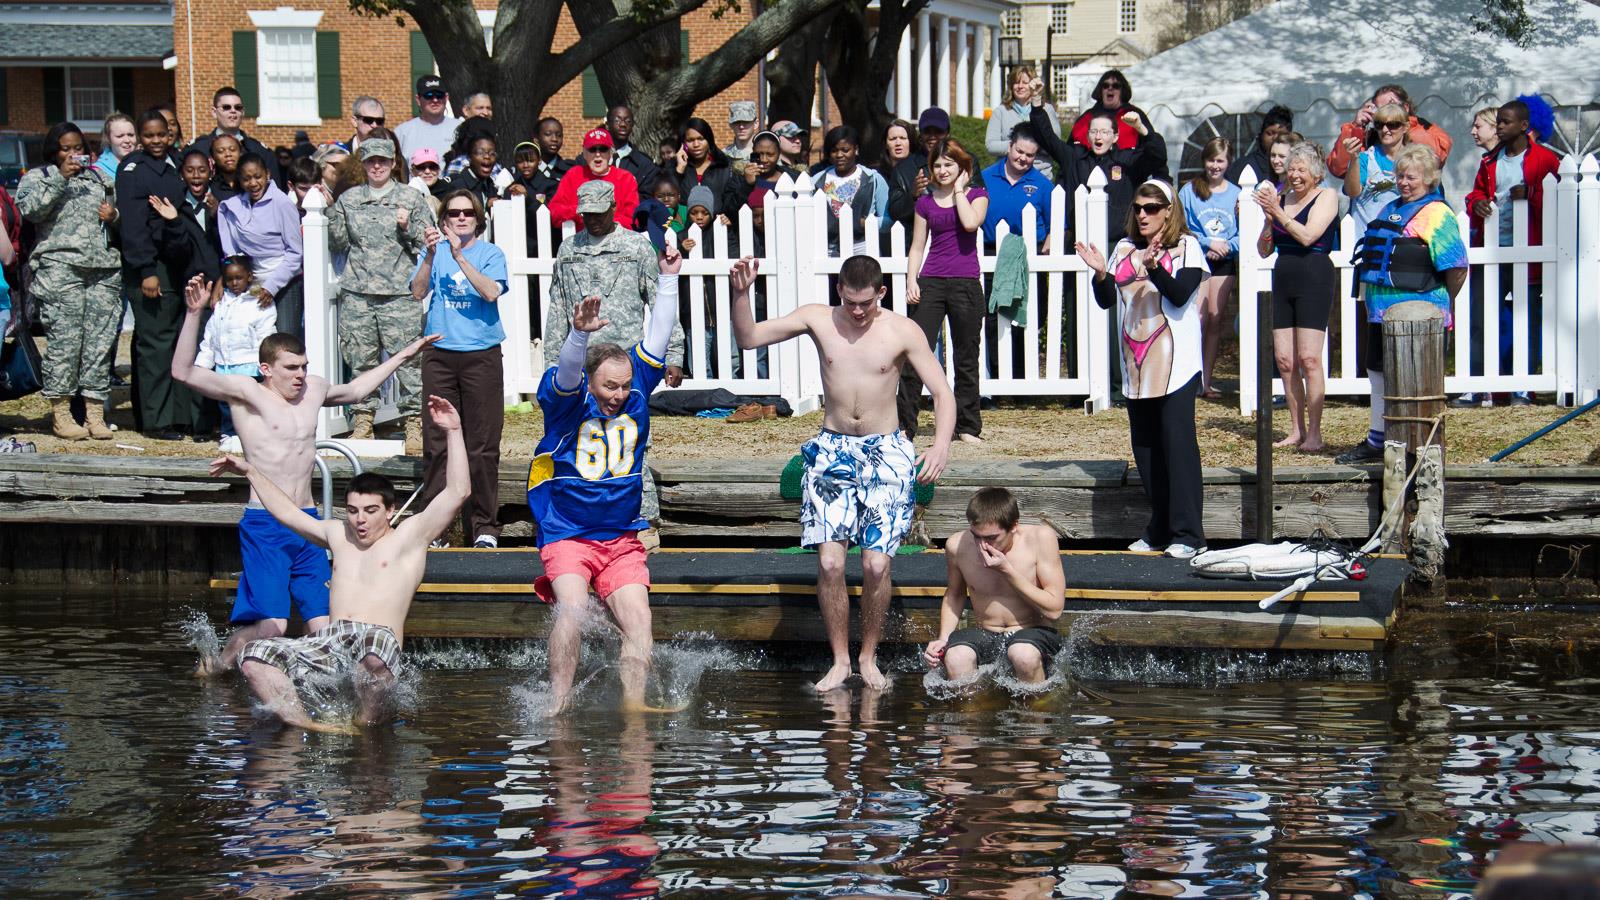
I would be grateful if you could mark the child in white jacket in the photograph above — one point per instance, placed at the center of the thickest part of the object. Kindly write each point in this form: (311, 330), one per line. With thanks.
(241, 319)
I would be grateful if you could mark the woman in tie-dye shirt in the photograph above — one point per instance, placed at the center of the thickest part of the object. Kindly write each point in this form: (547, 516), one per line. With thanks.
(1412, 251)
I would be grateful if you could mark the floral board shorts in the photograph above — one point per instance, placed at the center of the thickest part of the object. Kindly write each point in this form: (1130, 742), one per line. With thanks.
(857, 489)
(337, 648)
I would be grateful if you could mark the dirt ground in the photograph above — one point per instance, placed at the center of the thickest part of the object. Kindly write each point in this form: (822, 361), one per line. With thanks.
(1018, 429)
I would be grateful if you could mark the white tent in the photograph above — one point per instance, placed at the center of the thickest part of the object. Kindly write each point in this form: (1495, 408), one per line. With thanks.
(1323, 58)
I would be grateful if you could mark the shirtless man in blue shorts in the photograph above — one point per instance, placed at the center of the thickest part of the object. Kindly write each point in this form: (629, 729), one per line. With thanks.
(1012, 574)
(277, 423)
(861, 471)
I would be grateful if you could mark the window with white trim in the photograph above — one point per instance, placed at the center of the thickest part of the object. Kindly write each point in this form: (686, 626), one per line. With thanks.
(1128, 17)
(89, 96)
(1011, 23)
(1058, 79)
(288, 61)
(1061, 17)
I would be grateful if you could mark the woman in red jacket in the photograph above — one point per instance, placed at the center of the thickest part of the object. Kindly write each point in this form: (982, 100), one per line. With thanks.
(596, 164)
(1111, 95)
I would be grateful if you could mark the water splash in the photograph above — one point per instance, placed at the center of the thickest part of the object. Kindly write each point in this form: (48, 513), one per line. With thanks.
(199, 633)
(999, 674)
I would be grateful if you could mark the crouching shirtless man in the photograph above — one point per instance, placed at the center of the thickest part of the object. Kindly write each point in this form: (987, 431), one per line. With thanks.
(376, 570)
(1012, 573)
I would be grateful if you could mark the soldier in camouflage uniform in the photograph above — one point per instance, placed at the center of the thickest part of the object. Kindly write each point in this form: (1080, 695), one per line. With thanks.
(77, 279)
(618, 266)
(380, 226)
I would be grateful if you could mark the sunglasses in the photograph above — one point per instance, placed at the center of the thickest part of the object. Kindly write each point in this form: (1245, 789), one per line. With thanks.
(1399, 124)
(1150, 209)
(425, 167)
(433, 95)
(372, 120)
(231, 107)
(458, 213)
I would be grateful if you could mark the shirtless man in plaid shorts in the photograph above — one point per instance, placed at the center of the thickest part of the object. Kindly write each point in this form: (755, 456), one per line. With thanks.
(860, 471)
(376, 570)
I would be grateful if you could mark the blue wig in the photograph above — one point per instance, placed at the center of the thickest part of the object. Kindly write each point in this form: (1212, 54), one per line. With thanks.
(1541, 117)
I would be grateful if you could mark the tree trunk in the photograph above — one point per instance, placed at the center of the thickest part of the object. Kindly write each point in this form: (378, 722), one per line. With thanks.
(661, 100)
(866, 64)
(792, 74)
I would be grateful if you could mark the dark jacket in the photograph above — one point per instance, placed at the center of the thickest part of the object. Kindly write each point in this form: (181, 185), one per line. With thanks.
(139, 178)
(1258, 160)
(720, 178)
(903, 187)
(247, 144)
(644, 171)
(1125, 170)
(190, 248)
(482, 188)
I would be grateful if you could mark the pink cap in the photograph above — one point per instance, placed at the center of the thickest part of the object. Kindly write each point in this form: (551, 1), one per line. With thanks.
(425, 155)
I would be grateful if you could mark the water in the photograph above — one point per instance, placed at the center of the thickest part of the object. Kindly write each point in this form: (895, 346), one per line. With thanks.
(121, 775)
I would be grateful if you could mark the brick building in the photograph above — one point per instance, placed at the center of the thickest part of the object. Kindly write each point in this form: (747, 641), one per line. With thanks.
(77, 60)
(299, 67)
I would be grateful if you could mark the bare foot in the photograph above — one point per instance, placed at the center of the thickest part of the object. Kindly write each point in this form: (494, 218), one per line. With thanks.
(558, 705)
(972, 438)
(328, 727)
(1292, 440)
(873, 677)
(1309, 447)
(834, 679)
(209, 667)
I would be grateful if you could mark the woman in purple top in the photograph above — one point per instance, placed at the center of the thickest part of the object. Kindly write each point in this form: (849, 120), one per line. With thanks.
(262, 223)
(943, 281)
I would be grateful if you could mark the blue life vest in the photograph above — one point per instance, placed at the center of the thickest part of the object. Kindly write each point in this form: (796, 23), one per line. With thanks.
(1387, 256)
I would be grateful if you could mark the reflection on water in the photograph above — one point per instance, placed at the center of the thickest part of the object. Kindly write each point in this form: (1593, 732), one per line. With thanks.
(120, 774)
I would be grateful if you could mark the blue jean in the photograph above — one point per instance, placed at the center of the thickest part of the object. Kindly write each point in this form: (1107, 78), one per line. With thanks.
(1535, 331)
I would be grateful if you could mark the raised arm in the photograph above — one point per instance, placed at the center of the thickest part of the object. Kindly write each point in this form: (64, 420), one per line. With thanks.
(276, 501)
(423, 527)
(226, 388)
(747, 332)
(366, 383)
(664, 315)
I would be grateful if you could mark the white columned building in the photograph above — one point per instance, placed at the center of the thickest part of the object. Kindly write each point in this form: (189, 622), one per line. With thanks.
(950, 57)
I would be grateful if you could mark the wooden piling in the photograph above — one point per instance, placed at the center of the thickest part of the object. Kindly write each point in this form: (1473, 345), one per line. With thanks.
(1414, 406)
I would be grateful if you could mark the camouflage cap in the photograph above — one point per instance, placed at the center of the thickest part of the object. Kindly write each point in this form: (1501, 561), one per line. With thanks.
(596, 196)
(741, 111)
(373, 148)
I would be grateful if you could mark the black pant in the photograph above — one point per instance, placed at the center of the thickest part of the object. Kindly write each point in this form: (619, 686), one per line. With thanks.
(473, 382)
(291, 306)
(1168, 457)
(160, 403)
(961, 301)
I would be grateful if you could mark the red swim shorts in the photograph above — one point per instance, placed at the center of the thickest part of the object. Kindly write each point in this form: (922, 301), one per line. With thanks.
(606, 565)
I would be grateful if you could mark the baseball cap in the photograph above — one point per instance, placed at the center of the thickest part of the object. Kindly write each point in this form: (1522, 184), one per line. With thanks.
(595, 196)
(429, 84)
(786, 129)
(424, 156)
(934, 117)
(377, 147)
(741, 111)
(598, 137)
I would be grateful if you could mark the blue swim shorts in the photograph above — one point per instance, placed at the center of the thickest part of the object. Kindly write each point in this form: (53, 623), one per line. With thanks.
(278, 565)
(858, 489)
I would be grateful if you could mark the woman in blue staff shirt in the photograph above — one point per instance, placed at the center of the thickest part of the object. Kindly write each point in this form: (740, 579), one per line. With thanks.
(466, 278)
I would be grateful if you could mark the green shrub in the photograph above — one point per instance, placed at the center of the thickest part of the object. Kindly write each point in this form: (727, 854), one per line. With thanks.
(969, 133)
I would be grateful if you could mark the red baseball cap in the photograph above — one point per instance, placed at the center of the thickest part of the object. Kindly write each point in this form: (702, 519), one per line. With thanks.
(599, 137)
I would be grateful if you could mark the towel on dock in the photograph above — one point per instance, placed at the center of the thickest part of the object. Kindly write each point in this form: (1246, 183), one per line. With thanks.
(1008, 295)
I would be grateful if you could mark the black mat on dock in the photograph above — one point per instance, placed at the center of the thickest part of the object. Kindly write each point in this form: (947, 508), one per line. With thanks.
(1154, 575)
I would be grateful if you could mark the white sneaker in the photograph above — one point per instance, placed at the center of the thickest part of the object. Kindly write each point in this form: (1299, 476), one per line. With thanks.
(438, 543)
(230, 444)
(1183, 551)
(486, 542)
(1142, 546)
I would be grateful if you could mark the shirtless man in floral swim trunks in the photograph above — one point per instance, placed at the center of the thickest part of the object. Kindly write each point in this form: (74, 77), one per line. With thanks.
(861, 471)
(376, 570)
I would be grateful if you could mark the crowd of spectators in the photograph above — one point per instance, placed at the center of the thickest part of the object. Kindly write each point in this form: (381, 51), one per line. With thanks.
(123, 231)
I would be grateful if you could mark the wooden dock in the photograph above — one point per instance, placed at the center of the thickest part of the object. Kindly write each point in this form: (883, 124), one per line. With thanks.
(1128, 599)
(1515, 531)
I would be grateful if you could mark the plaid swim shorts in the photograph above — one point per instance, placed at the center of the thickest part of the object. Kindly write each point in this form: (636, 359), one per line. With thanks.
(337, 648)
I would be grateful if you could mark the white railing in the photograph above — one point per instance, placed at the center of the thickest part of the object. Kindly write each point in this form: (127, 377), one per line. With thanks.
(1569, 257)
(797, 263)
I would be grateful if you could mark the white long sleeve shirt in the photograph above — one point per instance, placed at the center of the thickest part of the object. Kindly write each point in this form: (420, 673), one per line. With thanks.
(234, 334)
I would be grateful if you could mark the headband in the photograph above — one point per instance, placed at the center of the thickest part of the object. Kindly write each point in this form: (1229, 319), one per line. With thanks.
(1166, 189)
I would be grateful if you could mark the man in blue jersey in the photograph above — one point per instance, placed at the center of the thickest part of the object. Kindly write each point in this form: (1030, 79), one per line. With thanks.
(585, 486)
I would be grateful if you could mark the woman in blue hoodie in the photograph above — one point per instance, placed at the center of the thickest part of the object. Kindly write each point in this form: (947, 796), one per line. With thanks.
(1211, 210)
(118, 138)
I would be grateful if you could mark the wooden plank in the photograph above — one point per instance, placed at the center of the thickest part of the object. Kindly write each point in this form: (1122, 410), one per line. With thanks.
(65, 486)
(71, 512)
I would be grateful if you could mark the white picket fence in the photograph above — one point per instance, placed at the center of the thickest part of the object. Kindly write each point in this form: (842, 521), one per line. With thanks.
(797, 263)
